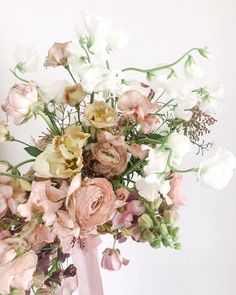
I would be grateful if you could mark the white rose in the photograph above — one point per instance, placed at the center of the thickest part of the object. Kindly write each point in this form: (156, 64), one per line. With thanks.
(217, 171)
(157, 161)
(152, 186)
(26, 59)
(180, 146)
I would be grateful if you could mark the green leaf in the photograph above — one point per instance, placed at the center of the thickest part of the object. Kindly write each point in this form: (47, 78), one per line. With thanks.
(33, 151)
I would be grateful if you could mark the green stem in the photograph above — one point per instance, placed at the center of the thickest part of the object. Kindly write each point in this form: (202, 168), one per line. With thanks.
(19, 141)
(164, 105)
(66, 66)
(161, 67)
(86, 52)
(92, 98)
(23, 163)
(133, 168)
(17, 176)
(184, 171)
(31, 227)
(18, 77)
(48, 121)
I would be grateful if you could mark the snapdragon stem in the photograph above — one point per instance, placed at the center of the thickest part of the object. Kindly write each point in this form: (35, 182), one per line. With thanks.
(161, 67)
(49, 123)
(26, 178)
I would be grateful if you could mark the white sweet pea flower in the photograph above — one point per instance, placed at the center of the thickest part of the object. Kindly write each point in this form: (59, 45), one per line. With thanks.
(56, 90)
(157, 161)
(211, 103)
(192, 70)
(217, 171)
(26, 59)
(116, 40)
(180, 145)
(110, 81)
(152, 186)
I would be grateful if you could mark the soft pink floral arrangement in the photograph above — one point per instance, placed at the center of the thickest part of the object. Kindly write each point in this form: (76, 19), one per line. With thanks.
(109, 162)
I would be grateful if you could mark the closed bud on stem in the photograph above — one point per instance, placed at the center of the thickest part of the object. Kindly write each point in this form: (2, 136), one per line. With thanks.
(170, 216)
(148, 236)
(163, 229)
(175, 234)
(156, 243)
(145, 221)
(177, 246)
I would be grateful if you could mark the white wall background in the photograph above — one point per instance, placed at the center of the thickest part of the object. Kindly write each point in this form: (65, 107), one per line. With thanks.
(160, 31)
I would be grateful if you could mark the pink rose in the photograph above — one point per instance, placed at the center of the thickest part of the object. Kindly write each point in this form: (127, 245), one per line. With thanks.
(57, 55)
(134, 103)
(18, 273)
(94, 202)
(175, 194)
(110, 154)
(112, 259)
(20, 102)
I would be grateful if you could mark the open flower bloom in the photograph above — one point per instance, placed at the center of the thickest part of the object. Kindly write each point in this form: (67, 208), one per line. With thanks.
(217, 171)
(26, 59)
(44, 198)
(175, 194)
(21, 101)
(57, 55)
(101, 115)
(73, 95)
(110, 154)
(62, 158)
(134, 103)
(112, 260)
(18, 273)
(138, 151)
(4, 132)
(93, 202)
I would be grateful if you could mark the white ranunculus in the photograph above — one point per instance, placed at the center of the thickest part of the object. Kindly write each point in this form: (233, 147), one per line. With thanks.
(180, 146)
(157, 161)
(152, 186)
(26, 59)
(217, 171)
(193, 71)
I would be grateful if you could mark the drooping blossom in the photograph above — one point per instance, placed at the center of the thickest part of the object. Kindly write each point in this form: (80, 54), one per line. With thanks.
(110, 154)
(57, 55)
(73, 95)
(112, 259)
(21, 101)
(122, 195)
(175, 194)
(138, 151)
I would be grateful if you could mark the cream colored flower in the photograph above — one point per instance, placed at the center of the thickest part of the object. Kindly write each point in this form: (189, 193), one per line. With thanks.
(4, 132)
(62, 158)
(101, 115)
(73, 95)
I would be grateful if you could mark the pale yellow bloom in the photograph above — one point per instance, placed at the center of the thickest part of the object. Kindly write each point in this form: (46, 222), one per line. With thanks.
(4, 132)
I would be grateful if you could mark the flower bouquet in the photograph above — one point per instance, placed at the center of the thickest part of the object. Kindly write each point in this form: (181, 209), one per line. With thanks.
(109, 161)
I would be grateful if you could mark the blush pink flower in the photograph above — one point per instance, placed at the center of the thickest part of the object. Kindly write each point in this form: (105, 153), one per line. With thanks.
(46, 199)
(137, 151)
(68, 286)
(134, 103)
(112, 260)
(122, 195)
(18, 273)
(21, 101)
(175, 194)
(94, 202)
(57, 55)
(125, 218)
(110, 154)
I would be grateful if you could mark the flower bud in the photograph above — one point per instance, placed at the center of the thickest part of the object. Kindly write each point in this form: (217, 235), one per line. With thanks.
(175, 234)
(145, 221)
(178, 246)
(156, 243)
(4, 132)
(163, 229)
(112, 259)
(170, 216)
(148, 236)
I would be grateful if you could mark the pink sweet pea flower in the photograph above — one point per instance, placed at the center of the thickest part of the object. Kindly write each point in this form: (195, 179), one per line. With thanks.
(112, 260)
(175, 194)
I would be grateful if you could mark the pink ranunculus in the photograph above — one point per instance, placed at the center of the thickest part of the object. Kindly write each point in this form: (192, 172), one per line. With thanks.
(20, 101)
(112, 260)
(137, 151)
(94, 202)
(57, 55)
(125, 218)
(175, 194)
(18, 273)
(45, 199)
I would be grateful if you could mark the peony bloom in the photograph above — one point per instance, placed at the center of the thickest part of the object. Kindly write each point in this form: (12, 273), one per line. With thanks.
(26, 59)
(57, 55)
(73, 95)
(175, 194)
(112, 259)
(18, 273)
(138, 151)
(134, 103)
(94, 202)
(4, 132)
(101, 115)
(21, 101)
(62, 158)
(217, 171)
(179, 145)
(110, 154)
(44, 198)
